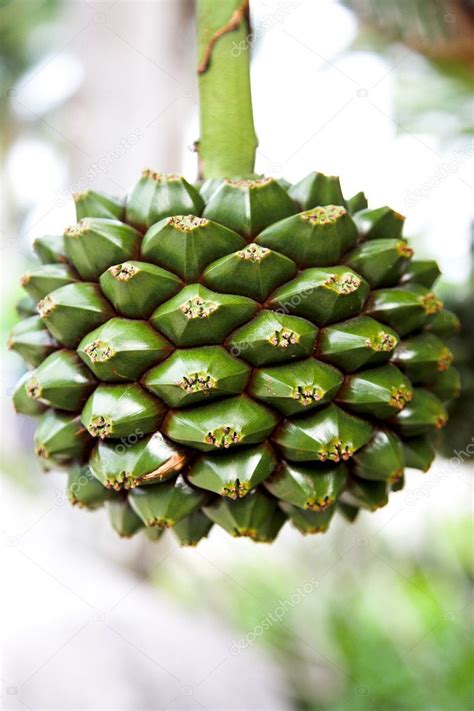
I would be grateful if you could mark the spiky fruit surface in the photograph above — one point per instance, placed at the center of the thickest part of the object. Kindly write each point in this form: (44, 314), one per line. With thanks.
(244, 357)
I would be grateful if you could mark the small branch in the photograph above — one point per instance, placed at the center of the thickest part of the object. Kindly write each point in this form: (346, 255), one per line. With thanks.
(233, 24)
(227, 142)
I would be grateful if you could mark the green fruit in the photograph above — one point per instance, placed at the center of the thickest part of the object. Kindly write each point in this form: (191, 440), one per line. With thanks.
(381, 262)
(422, 358)
(405, 309)
(317, 189)
(319, 237)
(115, 411)
(185, 245)
(193, 375)
(378, 392)
(424, 272)
(159, 195)
(50, 249)
(356, 343)
(248, 206)
(381, 223)
(419, 453)
(61, 438)
(136, 460)
(83, 489)
(313, 488)
(95, 244)
(273, 338)
(123, 518)
(23, 403)
(122, 349)
(165, 504)
(197, 316)
(91, 203)
(39, 282)
(233, 474)
(424, 414)
(329, 434)
(61, 381)
(253, 271)
(233, 422)
(243, 355)
(192, 529)
(296, 388)
(72, 311)
(382, 458)
(308, 522)
(135, 289)
(31, 339)
(322, 295)
(256, 516)
(366, 494)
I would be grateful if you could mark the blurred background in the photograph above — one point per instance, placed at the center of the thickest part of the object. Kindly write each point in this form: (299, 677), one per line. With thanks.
(377, 615)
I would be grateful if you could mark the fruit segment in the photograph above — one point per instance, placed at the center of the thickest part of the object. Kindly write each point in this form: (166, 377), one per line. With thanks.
(233, 474)
(329, 434)
(297, 387)
(195, 375)
(91, 203)
(198, 316)
(192, 529)
(61, 381)
(61, 437)
(377, 392)
(273, 338)
(382, 458)
(114, 411)
(308, 522)
(122, 349)
(253, 271)
(137, 460)
(424, 414)
(256, 516)
(422, 358)
(317, 189)
(42, 280)
(322, 295)
(381, 262)
(135, 289)
(315, 238)
(248, 206)
(95, 244)
(312, 488)
(186, 244)
(73, 310)
(83, 489)
(233, 422)
(356, 343)
(381, 223)
(165, 504)
(123, 518)
(32, 340)
(159, 195)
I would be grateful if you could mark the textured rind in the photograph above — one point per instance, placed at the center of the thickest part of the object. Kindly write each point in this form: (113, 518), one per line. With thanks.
(244, 372)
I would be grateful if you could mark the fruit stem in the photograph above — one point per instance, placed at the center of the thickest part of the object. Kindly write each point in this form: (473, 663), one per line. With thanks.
(228, 141)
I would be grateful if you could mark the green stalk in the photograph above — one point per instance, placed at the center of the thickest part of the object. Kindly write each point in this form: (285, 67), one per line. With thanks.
(228, 142)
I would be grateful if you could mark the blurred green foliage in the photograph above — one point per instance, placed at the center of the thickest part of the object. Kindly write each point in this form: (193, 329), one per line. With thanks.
(382, 629)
